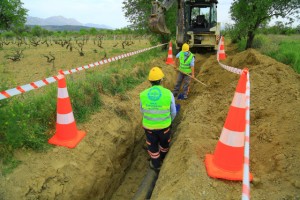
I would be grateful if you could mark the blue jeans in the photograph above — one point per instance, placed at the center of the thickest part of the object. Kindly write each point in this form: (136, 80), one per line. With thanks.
(186, 82)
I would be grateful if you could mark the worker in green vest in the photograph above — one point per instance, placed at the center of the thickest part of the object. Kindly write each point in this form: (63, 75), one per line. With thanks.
(158, 107)
(186, 67)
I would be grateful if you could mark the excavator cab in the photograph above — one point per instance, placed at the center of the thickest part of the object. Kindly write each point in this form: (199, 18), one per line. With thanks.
(196, 22)
(157, 23)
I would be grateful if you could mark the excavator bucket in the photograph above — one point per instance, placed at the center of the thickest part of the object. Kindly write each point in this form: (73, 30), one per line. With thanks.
(157, 22)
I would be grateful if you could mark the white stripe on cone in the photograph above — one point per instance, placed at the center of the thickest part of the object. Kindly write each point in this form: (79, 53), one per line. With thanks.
(65, 118)
(239, 100)
(232, 138)
(62, 93)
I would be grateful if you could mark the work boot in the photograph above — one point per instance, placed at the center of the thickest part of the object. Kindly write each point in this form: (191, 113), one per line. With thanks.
(185, 96)
(152, 167)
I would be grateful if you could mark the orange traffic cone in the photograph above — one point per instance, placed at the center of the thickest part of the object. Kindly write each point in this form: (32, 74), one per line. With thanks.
(170, 60)
(66, 131)
(221, 51)
(227, 161)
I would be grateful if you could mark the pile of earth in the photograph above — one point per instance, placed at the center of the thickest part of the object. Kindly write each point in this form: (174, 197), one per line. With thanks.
(274, 133)
(112, 151)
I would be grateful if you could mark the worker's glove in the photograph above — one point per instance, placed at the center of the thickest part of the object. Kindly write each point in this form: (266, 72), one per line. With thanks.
(177, 108)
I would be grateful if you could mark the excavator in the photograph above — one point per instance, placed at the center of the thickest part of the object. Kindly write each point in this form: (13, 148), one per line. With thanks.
(196, 22)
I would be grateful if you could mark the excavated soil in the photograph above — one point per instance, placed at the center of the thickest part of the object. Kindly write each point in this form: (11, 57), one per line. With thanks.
(110, 162)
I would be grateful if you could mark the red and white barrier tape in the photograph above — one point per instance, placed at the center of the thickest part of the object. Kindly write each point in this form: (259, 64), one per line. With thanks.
(246, 172)
(228, 68)
(231, 69)
(37, 84)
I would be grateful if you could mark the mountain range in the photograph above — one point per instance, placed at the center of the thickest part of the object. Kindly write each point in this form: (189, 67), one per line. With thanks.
(61, 21)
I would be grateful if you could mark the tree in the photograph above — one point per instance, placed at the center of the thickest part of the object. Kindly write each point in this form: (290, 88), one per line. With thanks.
(83, 31)
(137, 12)
(248, 15)
(93, 31)
(12, 14)
(37, 31)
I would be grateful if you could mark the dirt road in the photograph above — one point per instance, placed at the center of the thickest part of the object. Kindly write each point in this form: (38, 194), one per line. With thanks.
(110, 162)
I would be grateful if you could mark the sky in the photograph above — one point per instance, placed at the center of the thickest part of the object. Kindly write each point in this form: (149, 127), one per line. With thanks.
(106, 12)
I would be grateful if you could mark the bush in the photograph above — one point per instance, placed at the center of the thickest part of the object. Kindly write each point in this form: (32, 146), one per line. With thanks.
(259, 41)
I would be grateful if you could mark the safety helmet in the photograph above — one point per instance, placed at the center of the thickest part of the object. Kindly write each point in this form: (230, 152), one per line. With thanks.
(185, 47)
(155, 74)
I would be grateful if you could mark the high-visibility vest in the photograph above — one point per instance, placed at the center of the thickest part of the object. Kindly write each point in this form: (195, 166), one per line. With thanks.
(156, 103)
(185, 64)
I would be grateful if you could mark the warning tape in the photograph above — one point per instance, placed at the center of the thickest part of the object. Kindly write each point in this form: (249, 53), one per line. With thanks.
(231, 69)
(37, 84)
(228, 68)
(246, 171)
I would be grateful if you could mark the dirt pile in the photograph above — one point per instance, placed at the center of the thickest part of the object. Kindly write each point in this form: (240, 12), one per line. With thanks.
(109, 163)
(274, 139)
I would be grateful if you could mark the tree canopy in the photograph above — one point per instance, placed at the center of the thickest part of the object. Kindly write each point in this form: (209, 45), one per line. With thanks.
(249, 15)
(137, 12)
(12, 14)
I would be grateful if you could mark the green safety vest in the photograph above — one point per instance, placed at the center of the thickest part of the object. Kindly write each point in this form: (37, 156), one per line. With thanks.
(185, 65)
(156, 103)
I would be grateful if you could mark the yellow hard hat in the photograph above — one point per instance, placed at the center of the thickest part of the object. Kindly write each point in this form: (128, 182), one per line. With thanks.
(185, 47)
(155, 74)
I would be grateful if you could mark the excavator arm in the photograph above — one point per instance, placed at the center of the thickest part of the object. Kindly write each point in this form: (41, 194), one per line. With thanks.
(157, 23)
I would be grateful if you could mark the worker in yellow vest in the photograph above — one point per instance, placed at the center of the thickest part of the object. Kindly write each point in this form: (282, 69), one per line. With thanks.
(158, 107)
(186, 66)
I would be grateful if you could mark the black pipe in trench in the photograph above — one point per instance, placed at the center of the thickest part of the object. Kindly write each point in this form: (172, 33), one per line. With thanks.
(147, 185)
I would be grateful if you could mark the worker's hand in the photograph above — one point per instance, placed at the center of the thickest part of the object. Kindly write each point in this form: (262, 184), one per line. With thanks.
(193, 75)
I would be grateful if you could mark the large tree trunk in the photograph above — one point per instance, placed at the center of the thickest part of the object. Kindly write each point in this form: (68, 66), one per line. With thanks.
(250, 39)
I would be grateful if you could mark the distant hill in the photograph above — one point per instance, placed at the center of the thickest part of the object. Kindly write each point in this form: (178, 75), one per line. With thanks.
(63, 28)
(56, 21)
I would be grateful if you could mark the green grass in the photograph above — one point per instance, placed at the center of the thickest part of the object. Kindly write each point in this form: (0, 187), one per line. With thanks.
(9, 164)
(27, 119)
(287, 53)
(282, 48)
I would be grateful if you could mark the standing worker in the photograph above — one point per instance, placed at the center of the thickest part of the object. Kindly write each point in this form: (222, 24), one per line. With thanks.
(158, 107)
(186, 67)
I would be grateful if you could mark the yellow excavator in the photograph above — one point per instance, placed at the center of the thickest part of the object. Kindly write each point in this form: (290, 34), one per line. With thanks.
(196, 22)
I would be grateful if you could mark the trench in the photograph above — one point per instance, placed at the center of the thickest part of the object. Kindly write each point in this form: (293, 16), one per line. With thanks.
(139, 180)
(135, 175)
(138, 176)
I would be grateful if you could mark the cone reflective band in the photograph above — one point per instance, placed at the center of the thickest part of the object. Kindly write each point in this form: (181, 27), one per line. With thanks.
(170, 60)
(221, 51)
(66, 131)
(228, 158)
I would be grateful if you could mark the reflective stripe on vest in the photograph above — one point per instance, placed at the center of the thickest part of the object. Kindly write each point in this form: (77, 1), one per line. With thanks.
(155, 111)
(185, 65)
(156, 103)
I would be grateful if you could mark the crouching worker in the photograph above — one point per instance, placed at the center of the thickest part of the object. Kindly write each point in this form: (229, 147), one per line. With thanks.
(158, 107)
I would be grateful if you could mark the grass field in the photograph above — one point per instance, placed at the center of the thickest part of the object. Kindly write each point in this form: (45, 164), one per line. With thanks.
(282, 48)
(28, 120)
